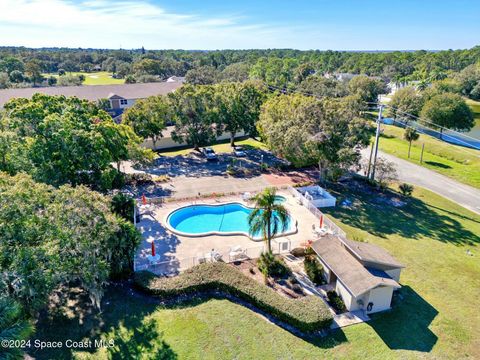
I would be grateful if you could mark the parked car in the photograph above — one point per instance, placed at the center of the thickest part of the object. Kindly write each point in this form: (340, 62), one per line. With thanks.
(238, 151)
(209, 154)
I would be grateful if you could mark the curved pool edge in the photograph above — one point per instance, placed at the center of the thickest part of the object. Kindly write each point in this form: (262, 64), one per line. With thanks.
(231, 233)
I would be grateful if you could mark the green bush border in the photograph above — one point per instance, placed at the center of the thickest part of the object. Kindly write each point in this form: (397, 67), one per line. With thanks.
(306, 314)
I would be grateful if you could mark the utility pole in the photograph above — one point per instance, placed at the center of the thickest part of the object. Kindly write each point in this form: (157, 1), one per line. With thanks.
(377, 138)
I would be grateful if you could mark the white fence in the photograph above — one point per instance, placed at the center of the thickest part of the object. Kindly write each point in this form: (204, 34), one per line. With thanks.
(334, 228)
(176, 266)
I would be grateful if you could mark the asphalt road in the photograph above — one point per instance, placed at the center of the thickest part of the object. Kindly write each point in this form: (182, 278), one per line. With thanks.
(464, 195)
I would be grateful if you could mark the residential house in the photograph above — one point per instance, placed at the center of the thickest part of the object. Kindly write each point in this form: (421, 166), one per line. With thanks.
(363, 275)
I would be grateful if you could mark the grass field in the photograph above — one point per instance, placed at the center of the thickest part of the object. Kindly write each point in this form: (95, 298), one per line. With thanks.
(222, 147)
(457, 162)
(95, 78)
(435, 316)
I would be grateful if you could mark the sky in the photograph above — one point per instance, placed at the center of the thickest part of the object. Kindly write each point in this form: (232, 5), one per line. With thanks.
(245, 24)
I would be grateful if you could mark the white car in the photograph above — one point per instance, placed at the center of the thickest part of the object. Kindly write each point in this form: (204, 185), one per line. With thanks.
(238, 151)
(209, 154)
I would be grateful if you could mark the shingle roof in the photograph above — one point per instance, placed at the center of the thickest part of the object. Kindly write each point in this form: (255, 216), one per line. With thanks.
(372, 253)
(94, 92)
(349, 271)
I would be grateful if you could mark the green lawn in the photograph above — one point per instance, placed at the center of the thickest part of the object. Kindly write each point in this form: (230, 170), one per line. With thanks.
(457, 162)
(222, 147)
(436, 314)
(95, 78)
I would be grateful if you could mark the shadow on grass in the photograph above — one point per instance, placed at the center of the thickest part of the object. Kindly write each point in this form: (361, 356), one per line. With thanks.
(437, 164)
(122, 320)
(71, 317)
(406, 327)
(129, 344)
(373, 212)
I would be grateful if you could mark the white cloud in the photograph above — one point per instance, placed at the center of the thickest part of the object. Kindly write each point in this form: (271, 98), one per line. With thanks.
(129, 24)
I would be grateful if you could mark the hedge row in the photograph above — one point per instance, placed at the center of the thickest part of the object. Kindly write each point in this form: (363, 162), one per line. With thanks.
(306, 314)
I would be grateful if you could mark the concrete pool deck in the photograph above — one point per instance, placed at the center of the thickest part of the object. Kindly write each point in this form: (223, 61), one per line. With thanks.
(178, 252)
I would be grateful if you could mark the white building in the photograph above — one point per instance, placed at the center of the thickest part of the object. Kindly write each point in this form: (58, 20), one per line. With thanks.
(363, 275)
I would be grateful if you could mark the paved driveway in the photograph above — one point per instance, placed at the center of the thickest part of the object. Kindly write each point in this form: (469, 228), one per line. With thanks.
(464, 195)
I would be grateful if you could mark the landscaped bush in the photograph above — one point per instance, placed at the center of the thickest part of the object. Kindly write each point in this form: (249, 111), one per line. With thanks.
(138, 179)
(307, 314)
(406, 189)
(269, 265)
(313, 269)
(336, 301)
(298, 252)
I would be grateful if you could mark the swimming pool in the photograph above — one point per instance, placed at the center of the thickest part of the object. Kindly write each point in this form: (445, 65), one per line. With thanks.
(222, 219)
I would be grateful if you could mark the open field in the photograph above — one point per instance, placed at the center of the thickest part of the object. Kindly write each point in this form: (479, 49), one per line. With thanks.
(459, 163)
(222, 147)
(435, 314)
(95, 78)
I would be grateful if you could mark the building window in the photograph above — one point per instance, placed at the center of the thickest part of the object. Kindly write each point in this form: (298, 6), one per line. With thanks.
(123, 102)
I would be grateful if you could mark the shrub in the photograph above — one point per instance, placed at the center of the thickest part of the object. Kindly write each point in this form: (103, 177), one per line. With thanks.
(336, 301)
(298, 252)
(406, 189)
(269, 265)
(123, 245)
(313, 269)
(307, 314)
(138, 179)
(123, 205)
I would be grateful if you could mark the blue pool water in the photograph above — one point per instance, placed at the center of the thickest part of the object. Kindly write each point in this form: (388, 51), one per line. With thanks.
(200, 219)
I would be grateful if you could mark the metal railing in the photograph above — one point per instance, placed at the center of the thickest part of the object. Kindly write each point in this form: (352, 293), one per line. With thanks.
(178, 265)
(334, 228)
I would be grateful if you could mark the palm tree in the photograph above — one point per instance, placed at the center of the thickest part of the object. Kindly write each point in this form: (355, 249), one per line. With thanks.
(410, 135)
(13, 327)
(268, 217)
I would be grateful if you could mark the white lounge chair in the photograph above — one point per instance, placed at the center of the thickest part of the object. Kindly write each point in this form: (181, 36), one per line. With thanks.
(246, 196)
(320, 231)
(237, 253)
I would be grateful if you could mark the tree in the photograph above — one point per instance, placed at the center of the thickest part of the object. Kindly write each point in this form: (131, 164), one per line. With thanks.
(448, 111)
(237, 72)
(34, 72)
(52, 81)
(123, 205)
(367, 88)
(68, 140)
(149, 117)
(4, 80)
(13, 327)
(203, 75)
(385, 172)
(406, 189)
(268, 216)
(274, 71)
(238, 107)
(410, 135)
(320, 86)
(16, 76)
(406, 101)
(194, 114)
(469, 79)
(308, 131)
(55, 236)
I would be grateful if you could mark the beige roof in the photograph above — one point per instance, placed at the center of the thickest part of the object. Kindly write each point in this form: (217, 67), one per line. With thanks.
(95, 92)
(349, 271)
(372, 253)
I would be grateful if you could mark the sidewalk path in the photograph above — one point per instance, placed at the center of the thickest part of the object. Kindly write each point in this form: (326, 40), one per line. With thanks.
(464, 195)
